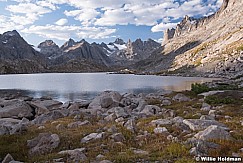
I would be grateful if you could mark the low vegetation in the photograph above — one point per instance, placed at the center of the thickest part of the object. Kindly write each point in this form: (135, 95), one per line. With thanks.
(157, 146)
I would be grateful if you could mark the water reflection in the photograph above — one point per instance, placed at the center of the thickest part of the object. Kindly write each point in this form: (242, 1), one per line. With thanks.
(74, 86)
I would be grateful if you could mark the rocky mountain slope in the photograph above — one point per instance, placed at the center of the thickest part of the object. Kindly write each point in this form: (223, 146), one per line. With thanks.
(17, 56)
(211, 45)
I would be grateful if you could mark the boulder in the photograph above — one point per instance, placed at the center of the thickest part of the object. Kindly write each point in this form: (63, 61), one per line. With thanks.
(130, 125)
(15, 109)
(205, 107)
(111, 117)
(78, 124)
(43, 143)
(181, 98)
(198, 124)
(213, 132)
(73, 107)
(13, 126)
(53, 115)
(4, 130)
(151, 110)
(8, 158)
(120, 112)
(201, 147)
(161, 122)
(161, 130)
(75, 155)
(49, 104)
(92, 136)
(39, 109)
(105, 99)
(166, 102)
(117, 137)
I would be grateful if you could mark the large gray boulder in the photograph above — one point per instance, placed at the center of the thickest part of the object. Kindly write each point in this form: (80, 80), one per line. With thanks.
(181, 98)
(92, 136)
(213, 132)
(13, 126)
(106, 99)
(151, 110)
(53, 115)
(46, 104)
(120, 112)
(161, 122)
(75, 155)
(199, 124)
(15, 109)
(43, 143)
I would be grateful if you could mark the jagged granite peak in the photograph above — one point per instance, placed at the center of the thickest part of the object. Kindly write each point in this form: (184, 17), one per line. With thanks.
(11, 33)
(49, 48)
(191, 24)
(208, 46)
(119, 41)
(68, 44)
(17, 56)
(47, 43)
(13, 46)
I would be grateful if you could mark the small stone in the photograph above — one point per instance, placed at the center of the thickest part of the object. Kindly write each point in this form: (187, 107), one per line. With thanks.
(8, 158)
(160, 122)
(100, 157)
(140, 152)
(41, 127)
(166, 102)
(160, 130)
(205, 107)
(117, 137)
(130, 125)
(180, 98)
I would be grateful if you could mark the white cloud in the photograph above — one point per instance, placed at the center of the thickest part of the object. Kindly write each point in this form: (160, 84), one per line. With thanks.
(96, 15)
(66, 32)
(116, 16)
(162, 26)
(61, 22)
(47, 4)
(28, 8)
(6, 24)
(85, 16)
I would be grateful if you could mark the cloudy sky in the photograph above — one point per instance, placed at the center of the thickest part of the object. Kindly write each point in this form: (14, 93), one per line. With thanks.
(97, 20)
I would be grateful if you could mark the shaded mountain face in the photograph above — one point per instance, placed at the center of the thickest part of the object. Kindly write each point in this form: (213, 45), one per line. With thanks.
(49, 48)
(117, 53)
(17, 56)
(131, 52)
(14, 47)
(210, 45)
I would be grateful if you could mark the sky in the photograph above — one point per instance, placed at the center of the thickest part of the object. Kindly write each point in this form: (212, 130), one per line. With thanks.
(97, 20)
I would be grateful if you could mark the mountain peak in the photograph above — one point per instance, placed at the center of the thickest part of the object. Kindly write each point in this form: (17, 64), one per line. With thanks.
(119, 41)
(11, 33)
(47, 43)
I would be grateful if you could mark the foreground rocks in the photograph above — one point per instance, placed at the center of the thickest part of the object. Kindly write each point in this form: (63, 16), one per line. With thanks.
(113, 121)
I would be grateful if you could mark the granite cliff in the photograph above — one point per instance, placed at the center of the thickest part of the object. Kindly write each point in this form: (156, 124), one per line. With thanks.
(210, 45)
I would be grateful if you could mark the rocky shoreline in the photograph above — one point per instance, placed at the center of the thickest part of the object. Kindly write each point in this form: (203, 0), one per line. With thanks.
(156, 127)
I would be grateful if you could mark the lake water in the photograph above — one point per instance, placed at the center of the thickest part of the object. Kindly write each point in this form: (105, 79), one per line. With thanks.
(74, 86)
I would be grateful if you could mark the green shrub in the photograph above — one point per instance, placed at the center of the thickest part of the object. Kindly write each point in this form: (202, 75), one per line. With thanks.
(199, 88)
(218, 100)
